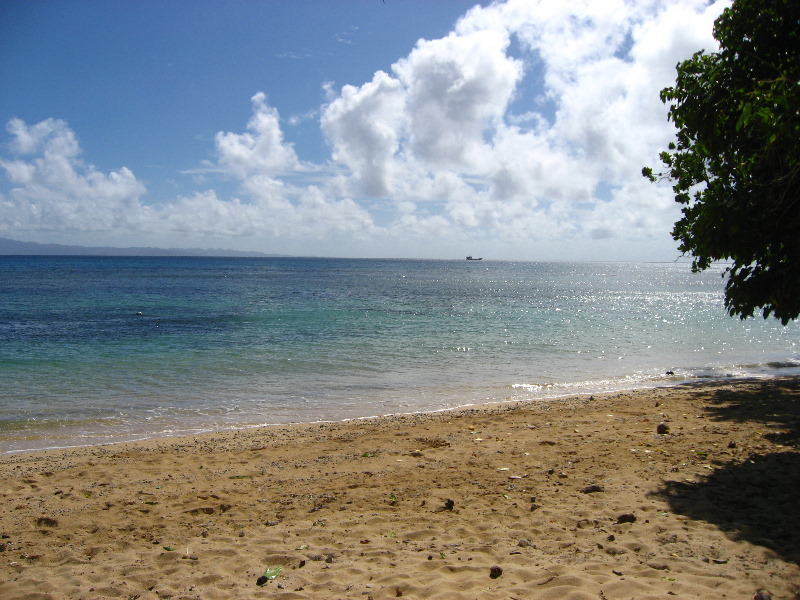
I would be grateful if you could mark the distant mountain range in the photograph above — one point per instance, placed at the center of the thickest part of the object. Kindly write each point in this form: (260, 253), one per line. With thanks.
(15, 247)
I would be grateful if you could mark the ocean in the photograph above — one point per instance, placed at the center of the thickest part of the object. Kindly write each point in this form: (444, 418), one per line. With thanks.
(97, 350)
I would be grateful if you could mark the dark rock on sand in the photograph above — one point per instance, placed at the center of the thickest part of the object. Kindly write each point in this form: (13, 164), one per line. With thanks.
(593, 489)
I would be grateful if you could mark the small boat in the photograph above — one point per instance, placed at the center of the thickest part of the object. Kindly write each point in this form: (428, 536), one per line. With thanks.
(470, 258)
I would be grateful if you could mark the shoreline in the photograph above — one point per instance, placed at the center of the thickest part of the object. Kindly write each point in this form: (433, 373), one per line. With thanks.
(568, 498)
(566, 395)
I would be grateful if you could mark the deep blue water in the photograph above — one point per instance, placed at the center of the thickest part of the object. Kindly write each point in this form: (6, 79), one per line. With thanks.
(232, 342)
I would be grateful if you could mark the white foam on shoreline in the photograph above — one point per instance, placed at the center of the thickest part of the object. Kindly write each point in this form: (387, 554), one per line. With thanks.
(566, 392)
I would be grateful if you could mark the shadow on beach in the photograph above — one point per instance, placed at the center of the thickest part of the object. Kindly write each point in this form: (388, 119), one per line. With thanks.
(755, 497)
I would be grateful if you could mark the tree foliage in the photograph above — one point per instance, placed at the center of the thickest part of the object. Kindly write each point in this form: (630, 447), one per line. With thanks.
(735, 165)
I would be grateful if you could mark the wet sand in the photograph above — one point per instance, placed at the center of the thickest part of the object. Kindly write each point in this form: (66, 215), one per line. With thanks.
(580, 498)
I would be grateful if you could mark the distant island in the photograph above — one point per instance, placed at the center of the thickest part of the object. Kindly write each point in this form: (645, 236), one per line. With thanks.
(9, 247)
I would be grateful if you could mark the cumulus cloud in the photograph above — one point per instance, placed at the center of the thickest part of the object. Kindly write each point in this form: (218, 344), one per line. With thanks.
(457, 90)
(261, 150)
(443, 126)
(364, 126)
(55, 189)
(525, 127)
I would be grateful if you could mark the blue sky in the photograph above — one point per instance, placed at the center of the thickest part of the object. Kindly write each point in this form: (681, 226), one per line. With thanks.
(351, 128)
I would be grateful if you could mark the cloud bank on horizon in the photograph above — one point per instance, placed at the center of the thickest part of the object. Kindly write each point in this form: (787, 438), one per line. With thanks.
(520, 134)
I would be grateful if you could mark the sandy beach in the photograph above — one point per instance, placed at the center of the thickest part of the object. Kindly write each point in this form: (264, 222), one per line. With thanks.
(686, 492)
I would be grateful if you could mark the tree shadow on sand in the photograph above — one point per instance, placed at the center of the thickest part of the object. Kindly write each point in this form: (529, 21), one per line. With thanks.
(754, 498)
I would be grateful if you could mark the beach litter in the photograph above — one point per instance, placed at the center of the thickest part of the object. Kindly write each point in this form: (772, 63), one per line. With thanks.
(269, 575)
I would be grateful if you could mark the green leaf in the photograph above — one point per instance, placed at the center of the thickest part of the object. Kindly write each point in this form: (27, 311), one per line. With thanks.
(744, 117)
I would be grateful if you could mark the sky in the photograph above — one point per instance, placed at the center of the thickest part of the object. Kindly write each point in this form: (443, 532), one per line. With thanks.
(356, 128)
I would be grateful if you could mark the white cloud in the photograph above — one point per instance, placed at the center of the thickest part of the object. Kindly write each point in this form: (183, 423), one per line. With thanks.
(57, 190)
(364, 126)
(524, 129)
(260, 150)
(441, 130)
(457, 90)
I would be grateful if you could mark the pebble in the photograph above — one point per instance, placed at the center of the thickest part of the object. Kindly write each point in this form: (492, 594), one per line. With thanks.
(593, 488)
(626, 518)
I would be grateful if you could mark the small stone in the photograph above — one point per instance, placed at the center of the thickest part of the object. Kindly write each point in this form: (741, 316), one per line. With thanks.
(762, 595)
(626, 518)
(495, 572)
(731, 444)
(662, 429)
(524, 543)
(593, 489)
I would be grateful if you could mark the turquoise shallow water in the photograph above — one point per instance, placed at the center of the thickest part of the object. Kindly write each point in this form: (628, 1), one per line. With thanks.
(224, 343)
